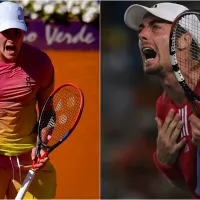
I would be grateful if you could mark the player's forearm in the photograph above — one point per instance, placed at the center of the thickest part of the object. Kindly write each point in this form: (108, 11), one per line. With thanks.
(172, 174)
(180, 183)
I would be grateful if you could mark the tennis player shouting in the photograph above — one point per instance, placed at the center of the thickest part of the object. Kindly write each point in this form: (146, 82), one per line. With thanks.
(26, 78)
(178, 128)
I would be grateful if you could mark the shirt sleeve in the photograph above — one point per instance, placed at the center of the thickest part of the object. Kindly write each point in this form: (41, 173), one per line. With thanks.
(171, 171)
(47, 85)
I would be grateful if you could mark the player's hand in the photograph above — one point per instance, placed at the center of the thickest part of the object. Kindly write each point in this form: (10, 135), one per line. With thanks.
(46, 134)
(168, 147)
(195, 125)
(35, 158)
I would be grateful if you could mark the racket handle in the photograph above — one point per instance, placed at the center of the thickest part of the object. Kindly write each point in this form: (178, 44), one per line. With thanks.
(198, 172)
(25, 186)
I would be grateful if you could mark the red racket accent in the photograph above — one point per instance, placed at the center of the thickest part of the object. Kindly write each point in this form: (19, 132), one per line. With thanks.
(58, 118)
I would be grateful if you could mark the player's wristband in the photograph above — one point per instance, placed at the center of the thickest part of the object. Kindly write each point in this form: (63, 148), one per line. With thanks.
(171, 171)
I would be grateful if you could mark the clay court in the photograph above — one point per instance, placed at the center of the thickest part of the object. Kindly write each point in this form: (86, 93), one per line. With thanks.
(77, 161)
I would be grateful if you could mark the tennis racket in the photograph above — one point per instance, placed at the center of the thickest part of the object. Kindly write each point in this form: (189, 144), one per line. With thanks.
(58, 119)
(185, 59)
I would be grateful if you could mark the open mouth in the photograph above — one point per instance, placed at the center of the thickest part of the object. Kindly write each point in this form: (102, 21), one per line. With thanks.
(148, 53)
(10, 48)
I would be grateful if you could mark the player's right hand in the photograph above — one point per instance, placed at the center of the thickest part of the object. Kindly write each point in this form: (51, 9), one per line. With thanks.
(168, 147)
(34, 158)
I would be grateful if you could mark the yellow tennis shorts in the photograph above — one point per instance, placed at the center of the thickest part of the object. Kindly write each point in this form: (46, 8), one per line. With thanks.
(13, 171)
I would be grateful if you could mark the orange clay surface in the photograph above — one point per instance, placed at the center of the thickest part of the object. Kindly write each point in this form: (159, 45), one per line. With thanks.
(77, 160)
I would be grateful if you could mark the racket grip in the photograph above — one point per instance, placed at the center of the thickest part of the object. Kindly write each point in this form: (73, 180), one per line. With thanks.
(198, 172)
(25, 186)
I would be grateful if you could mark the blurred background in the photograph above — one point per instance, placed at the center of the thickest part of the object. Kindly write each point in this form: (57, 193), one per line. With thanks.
(128, 127)
(68, 31)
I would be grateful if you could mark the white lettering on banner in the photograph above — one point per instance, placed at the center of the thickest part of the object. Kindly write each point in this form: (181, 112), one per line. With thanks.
(60, 36)
(30, 37)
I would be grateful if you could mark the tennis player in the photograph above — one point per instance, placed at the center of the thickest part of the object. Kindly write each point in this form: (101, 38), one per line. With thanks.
(26, 79)
(178, 128)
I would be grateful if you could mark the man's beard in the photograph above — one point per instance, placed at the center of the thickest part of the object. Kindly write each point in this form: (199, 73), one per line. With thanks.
(153, 70)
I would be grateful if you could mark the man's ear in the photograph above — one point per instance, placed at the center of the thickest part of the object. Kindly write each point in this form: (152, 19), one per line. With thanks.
(184, 41)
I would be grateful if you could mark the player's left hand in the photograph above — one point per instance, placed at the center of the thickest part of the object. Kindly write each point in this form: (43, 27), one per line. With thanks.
(195, 125)
(35, 158)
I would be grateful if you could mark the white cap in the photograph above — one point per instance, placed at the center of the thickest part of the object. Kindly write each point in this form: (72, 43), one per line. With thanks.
(11, 16)
(168, 11)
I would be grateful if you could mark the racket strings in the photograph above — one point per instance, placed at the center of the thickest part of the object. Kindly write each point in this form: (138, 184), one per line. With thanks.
(57, 121)
(188, 48)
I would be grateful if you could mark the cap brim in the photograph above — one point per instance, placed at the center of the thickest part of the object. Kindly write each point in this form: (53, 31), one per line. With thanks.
(133, 16)
(8, 25)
